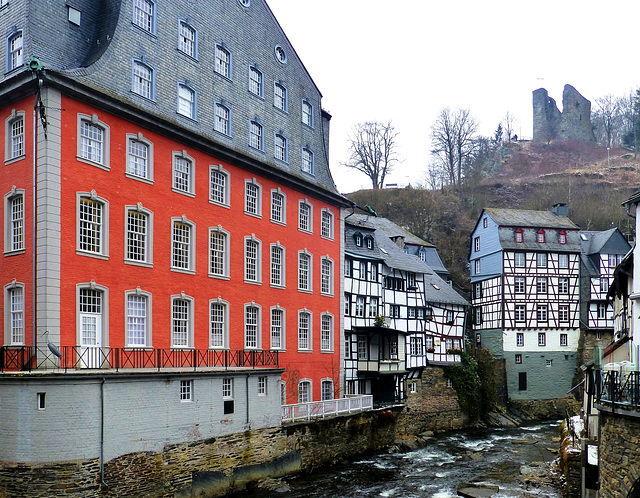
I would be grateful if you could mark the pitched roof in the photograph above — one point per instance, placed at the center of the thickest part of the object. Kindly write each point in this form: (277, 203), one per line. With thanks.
(530, 218)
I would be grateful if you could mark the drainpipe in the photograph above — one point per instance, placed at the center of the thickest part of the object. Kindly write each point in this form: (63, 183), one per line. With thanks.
(34, 222)
(102, 434)
(246, 391)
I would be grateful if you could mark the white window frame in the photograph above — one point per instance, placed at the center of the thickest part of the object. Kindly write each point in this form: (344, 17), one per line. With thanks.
(326, 332)
(15, 314)
(601, 311)
(563, 285)
(542, 339)
(305, 274)
(182, 297)
(305, 330)
(222, 255)
(563, 260)
(138, 238)
(277, 332)
(15, 222)
(564, 339)
(519, 260)
(324, 390)
(189, 177)
(103, 315)
(145, 19)
(222, 119)
(520, 339)
(563, 316)
(256, 85)
(326, 276)
(541, 260)
(281, 210)
(222, 61)
(305, 220)
(227, 388)
(280, 99)
(249, 342)
(326, 224)
(307, 113)
(253, 203)
(103, 143)
(305, 391)
(519, 285)
(143, 80)
(280, 148)
(520, 313)
(307, 165)
(221, 339)
(103, 251)
(187, 101)
(15, 51)
(186, 391)
(541, 285)
(373, 307)
(219, 191)
(15, 143)
(188, 45)
(182, 250)
(360, 306)
(134, 158)
(146, 341)
(542, 313)
(257, 264)
(256, 135)
(262, 385)
(277, 269)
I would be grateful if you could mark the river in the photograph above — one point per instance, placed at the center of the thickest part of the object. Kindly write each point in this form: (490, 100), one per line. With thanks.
(501, 457)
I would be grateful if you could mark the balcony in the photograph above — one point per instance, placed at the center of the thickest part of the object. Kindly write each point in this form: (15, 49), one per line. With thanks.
(322, 409)
(28, 358)
(382, 366)
(619, 389)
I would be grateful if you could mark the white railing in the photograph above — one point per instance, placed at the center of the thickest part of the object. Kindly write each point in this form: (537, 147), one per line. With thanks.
(322, 409)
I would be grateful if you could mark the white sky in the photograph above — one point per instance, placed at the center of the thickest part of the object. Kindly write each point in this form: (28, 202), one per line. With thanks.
(376, 60)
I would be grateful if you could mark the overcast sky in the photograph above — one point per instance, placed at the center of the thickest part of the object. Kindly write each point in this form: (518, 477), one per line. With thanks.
(405, 60)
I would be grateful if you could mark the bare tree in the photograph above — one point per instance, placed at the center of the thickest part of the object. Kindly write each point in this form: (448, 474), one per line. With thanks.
(373, 151)
(608, 118)
(509, 123)
(452, 141)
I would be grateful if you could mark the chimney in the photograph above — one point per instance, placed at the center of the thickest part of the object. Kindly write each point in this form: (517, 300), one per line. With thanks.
(560, 209)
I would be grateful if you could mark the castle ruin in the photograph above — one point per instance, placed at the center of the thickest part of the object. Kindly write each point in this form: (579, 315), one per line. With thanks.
(573, 123)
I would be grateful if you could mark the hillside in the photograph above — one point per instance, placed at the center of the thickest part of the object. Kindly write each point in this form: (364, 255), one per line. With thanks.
(527, 176)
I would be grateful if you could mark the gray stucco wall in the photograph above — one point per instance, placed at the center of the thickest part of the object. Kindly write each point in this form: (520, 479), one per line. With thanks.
(543, 382)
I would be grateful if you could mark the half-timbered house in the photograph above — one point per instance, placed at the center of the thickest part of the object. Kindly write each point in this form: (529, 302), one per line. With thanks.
(400, 315)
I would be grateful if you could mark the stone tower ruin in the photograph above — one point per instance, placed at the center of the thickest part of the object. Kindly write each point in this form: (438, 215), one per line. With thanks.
(573, 123)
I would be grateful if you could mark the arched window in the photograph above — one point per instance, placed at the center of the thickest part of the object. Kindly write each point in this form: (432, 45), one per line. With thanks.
(562, 238)
(540, 237)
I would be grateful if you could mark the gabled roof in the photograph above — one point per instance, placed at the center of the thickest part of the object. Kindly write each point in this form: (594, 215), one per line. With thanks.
(389, 227)
(603, 242)
(530, 218)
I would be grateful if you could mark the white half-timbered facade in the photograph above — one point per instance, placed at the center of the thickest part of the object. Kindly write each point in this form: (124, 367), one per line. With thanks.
(399, 314)
(525, 277)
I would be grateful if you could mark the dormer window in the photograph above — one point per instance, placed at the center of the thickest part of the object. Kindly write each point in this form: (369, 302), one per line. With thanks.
(519, 235)
(369, 242)
(358, 239)
(562, 238)
(540, 237)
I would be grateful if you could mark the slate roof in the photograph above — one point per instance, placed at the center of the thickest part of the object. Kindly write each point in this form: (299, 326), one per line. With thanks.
(530, 218)
(607, 241)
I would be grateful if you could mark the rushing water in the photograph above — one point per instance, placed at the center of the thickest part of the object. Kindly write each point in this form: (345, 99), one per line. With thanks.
(492, 456)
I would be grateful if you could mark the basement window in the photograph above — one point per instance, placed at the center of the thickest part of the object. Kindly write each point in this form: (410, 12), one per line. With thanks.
(42, 401)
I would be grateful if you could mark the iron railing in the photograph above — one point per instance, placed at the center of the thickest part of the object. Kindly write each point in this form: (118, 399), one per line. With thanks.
(28, 358)
(620, 388)
(332, 407)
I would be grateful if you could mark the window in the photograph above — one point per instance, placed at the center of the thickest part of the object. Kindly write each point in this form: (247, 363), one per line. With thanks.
(93, 216)
(307, 113)
(477, 290)
(519, 260)
(183, 173)
(604, 284)
(14, 237)
(186, 390)
(182, 244)
(563, 285)
(360, 306)
(139, 230)
(374, 272)
(369, 242)
(476, 244)
(139, 157)
(15, 54)
(277, 328)
(227, 396)
(280, 147)
(144, 12)
(519, 285)
(373, 307)
(477, 267)
(449, 317)
(307, 161)
(138, 310)
(187, 40)
(218, 252)
(415, 346)
(394, 311)
(280, 96)
(541, 285)
(181, 321)
(602, 311)
(305, 211)
(347, 267)
(14, 133)
(255, 136)
(251, 326)
(484, 223)
(347, 304)
(304, 271)
(326, 332)
(186, 101)
(93, 140)
(358, 239)
(563, 260)
(304, 330)
(542, 313)
(222, 119)
(563, 314)
(563, 339)
(304, 391)
(518, 358)
(519, 235)
(218, 324)
(562, 237)
(327, 390)
(252, 260)
(223, 61)
(540, 237)
(255, 82)
(14, 314)
(278, 207)
(541, 260)
(521, 312)
(477, 315)
(363, 347)
(411, 280)
(262, 385)
(326, 224)
(542, 339)
(252, 198)
(277, 266)
(218, 185)
(549, 363)
(520, 339)
(281, 55)
(143, 80)
(326, 276)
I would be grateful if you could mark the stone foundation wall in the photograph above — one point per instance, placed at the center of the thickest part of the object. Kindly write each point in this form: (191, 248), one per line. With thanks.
(545, 409)
(212, 467)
